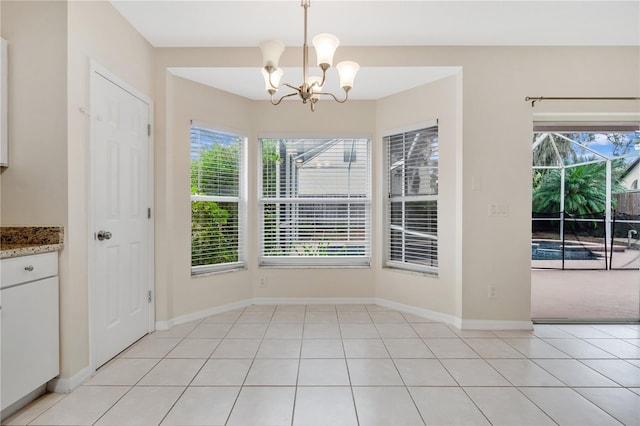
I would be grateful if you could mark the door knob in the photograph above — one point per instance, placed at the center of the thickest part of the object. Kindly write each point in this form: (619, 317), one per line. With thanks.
(104, 235)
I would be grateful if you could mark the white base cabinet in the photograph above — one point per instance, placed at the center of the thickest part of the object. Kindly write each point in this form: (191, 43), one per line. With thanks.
(29, 325)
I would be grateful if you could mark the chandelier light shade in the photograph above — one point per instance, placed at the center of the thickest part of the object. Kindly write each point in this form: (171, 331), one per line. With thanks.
(271, 52)
(311, 88)
(347, 71)
(273, 78)
(325, 45)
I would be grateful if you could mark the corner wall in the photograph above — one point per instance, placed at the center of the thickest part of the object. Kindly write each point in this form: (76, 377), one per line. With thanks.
(439, 100)
(192, 101)
(186, 294)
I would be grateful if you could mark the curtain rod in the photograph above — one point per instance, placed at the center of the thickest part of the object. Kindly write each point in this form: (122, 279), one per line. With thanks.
(543, 98)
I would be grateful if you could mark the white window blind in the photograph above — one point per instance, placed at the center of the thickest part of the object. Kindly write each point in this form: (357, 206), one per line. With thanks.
(217, 216)
(412, 208)
(315, 202)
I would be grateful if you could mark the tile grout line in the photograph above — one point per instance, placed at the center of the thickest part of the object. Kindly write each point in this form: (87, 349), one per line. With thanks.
(199, 370)
(242, 385)
(581, 361)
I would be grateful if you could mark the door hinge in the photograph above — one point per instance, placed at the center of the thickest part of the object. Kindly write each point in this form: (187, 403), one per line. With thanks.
(149, 213)
(149, 296)
(148, 129)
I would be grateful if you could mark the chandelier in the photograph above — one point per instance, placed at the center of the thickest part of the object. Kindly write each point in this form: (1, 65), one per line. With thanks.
(311, 88)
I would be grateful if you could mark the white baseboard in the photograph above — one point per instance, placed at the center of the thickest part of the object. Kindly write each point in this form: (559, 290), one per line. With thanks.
(312, 300)
(453, 320)
(421, 312)
(67, 384)
(496, 325)
(166, 325)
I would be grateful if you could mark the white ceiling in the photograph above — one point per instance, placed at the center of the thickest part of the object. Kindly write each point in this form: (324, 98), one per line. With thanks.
(241, 23)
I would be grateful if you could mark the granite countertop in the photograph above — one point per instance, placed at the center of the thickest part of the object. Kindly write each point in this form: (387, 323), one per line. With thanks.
(25, 240)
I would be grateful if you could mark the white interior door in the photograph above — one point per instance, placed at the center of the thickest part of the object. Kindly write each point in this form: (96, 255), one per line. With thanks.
(120, 273)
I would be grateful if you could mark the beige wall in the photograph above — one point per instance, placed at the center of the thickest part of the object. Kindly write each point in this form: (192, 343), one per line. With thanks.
(192, 101)
(187, 101)
(51, 43)
(485, 130)
(488, 125)
(34, 187)
(407, 110)
(96, 32)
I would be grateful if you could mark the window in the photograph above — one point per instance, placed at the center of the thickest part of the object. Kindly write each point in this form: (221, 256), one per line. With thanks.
(412, 207)
(315, 202)
(217, 213)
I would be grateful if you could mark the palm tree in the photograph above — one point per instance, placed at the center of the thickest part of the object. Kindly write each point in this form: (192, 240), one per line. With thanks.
(585, 190)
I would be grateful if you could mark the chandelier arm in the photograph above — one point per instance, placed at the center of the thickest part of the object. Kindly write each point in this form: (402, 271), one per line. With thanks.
(270, 82)
(280, 100)
(346, 96)
(306, 91)
(324, 76)
(297, 89)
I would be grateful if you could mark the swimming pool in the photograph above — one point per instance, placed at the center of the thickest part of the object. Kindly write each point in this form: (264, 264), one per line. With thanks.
(573, 250)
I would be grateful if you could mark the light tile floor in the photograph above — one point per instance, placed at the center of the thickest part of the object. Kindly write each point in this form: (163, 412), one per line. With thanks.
(357, 365)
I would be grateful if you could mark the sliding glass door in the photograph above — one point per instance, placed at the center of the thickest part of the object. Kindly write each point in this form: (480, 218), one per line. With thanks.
(585, 247)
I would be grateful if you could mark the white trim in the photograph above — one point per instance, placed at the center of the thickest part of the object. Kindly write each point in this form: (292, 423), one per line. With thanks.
(496, 325)
(241, 199)
(95, 68)
(387, 262)
(421, 312)
(313, 300)
(285, 261)
(67, 384)
(166, 325)
(410, 128)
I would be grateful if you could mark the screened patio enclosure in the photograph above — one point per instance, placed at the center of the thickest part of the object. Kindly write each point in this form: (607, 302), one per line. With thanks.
(585, 199)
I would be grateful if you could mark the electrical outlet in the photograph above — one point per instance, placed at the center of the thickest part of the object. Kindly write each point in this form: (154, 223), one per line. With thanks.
(492, 292)
(263, 282)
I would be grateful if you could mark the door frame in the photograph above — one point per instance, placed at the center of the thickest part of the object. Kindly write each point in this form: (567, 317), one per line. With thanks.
(95, 70)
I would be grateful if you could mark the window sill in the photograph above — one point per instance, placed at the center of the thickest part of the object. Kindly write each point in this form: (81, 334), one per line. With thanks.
(217, 272)
(429, 274)
(269, 266)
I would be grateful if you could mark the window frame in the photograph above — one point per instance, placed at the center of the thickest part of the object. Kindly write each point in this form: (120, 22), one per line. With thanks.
(315, 261)
(241, 200)
(389, 199)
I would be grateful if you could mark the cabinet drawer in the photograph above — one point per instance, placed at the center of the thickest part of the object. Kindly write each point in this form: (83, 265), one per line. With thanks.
(23, 269)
